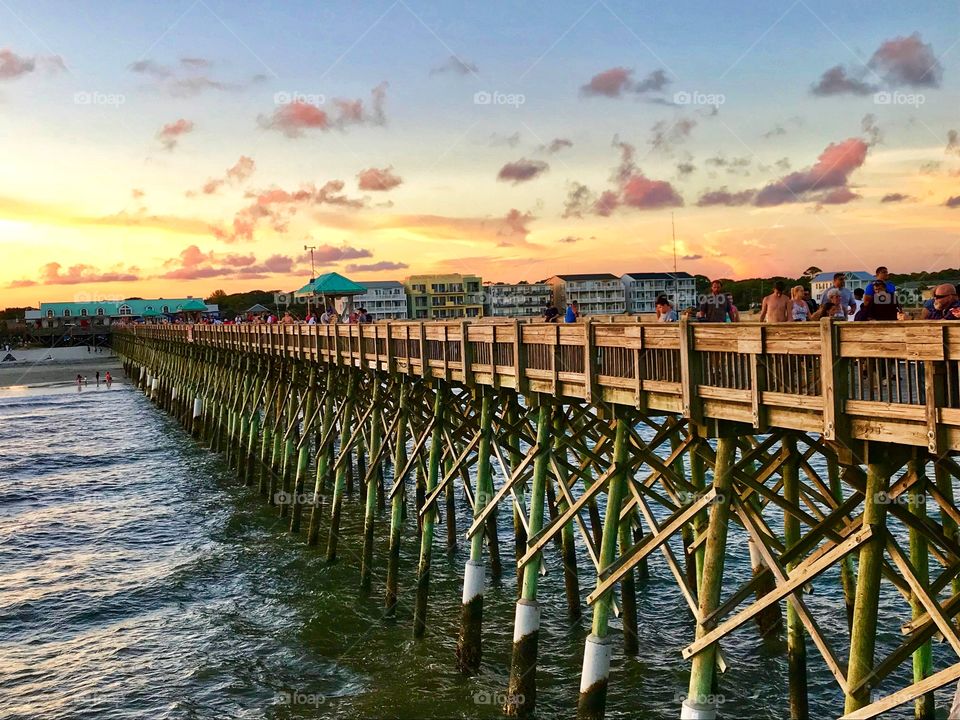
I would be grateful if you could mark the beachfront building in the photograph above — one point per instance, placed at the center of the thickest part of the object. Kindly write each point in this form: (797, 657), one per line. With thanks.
(520, 299)
(384, 300)
(444, 297)
(643, 289)
(594, 293)
(854, 279)
(106, 312)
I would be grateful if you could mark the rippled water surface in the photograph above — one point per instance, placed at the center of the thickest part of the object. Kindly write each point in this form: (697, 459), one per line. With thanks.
(137, 579)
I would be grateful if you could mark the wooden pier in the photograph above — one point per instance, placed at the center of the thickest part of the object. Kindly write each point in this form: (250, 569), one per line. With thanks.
(620, 442)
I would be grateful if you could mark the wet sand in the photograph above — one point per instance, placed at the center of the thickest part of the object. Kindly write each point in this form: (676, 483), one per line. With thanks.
(60, 371)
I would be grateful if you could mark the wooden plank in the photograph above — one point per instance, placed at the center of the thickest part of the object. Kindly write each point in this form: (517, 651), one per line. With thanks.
(801, 575)
(911, 692)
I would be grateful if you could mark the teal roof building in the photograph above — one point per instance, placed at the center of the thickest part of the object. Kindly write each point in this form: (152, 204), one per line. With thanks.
(333, 284)
(121, 308)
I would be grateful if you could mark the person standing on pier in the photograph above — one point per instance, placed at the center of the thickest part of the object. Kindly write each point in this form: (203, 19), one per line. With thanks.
(799, 308)
(717, 306)
(944, 305)
(665, 311)
(776, 305)
(846, 305)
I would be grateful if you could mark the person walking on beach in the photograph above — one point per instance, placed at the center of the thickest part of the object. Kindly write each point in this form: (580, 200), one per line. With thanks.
(98, 378)
(717, 306)
(79, 379)
(109, 379)
(846, 304)
(799, 309)
(776, 305)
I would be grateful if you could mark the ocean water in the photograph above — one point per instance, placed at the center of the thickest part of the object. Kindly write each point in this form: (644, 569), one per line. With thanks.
(139, 579)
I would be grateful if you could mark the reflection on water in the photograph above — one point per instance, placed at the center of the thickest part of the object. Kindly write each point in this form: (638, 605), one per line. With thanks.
(138, 580)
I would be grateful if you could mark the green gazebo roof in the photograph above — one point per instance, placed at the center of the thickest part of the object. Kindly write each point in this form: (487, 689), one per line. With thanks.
(193, 306)
(331, 283)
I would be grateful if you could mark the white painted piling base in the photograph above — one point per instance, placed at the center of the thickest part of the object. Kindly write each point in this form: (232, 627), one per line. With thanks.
(473, 580)
(596, 662)
(695, 711)
(173, 393)
(526, 621)
(154, 387)
(197, 407)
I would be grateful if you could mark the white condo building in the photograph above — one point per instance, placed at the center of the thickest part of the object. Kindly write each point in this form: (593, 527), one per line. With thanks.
(594, 293)
(384, 300)
(521, 299)
(643, 289)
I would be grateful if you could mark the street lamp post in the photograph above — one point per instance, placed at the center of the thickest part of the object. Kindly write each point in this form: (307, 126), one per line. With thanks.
(313, 272)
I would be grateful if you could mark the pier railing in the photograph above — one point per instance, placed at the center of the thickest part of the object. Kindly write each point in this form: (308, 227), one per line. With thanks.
(894, 382)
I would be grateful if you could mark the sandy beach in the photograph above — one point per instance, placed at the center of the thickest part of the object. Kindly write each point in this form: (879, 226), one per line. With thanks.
(58, 365)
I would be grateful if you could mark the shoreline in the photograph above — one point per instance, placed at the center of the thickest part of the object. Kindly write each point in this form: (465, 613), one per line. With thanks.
(59, 372)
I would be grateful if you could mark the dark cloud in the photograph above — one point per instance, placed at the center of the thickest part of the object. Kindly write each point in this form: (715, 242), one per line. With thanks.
(664, 135)
(522, 170)
(953, 202)
(899, 62)
(894, 198)
(836, 81)
(455, 65)
(691, 257)
(376, 267)
(722, 196)
(556, 145)
(953, 143)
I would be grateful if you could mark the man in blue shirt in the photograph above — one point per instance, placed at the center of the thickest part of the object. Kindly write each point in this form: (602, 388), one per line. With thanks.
(882, 275)
(572, 313)
(846, 306)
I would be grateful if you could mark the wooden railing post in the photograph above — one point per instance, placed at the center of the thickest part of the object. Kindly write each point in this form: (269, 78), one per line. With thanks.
(833, 381)
(466, 353)
(519, 359)
(689, 373)
(589, 376)
(758, 381)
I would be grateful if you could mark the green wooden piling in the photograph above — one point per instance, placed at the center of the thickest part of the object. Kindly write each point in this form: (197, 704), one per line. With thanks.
(863, 637)
(469, 641)
(700, 699)
(303, 454)
(522, 689)
(372, 485)
(796, 644)
(847, 580)
(430, 517)
(324, 459)
(923, 708)
(596, 657)
(396, 506)
(336, 504)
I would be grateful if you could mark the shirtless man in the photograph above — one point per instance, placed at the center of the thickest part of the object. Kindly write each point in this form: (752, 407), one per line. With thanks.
(776, 305)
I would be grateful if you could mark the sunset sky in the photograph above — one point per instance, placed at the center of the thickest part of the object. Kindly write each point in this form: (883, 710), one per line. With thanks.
(170, 149)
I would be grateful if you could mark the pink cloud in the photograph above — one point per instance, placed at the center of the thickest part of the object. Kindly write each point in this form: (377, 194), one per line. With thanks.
(170, 134)
(241, 171)
(294, 118)
(378, 180)
(195, 264)
(619, 80)
(831, 171)
(14, 66)
(52, 274)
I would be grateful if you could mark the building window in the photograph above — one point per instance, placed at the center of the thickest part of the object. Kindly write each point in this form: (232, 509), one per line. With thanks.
(165, 309)
(83, 312)
(66, 312)
(100, 311)
(49, 313)
(125, 310)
